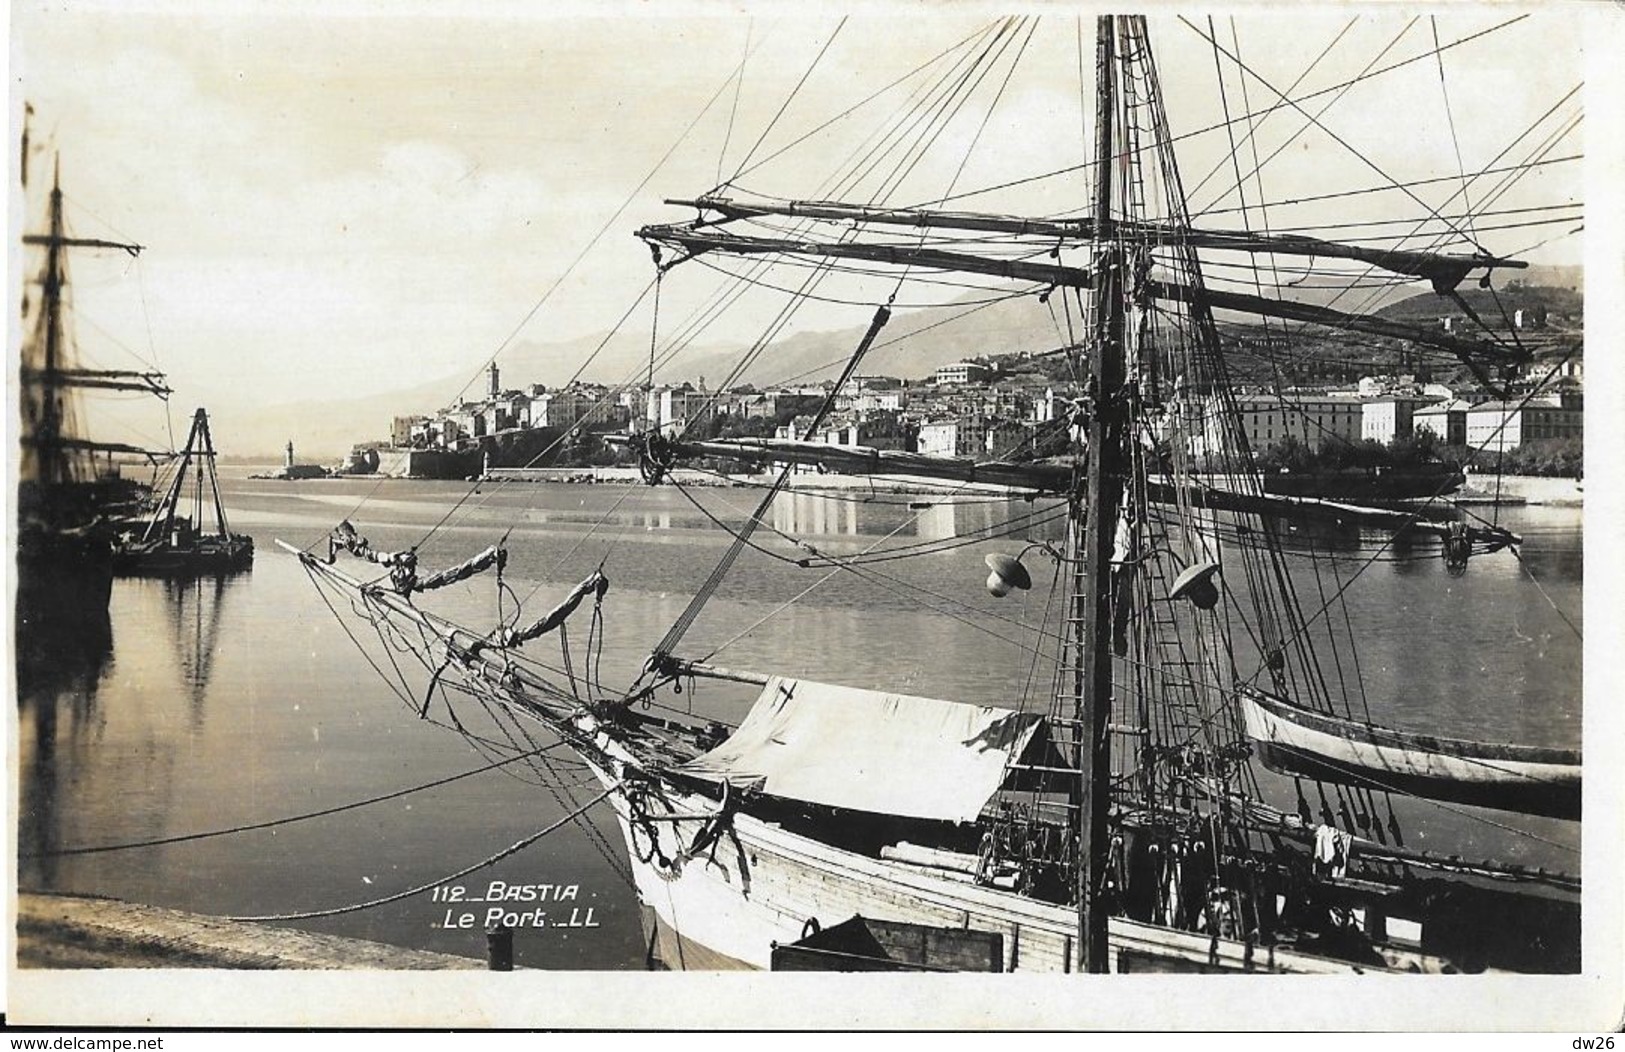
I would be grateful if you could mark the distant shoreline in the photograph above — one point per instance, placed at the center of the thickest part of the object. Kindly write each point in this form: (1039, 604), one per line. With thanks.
(1480, 489)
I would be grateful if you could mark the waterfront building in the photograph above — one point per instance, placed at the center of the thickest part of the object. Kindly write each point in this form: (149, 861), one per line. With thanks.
(1311, 417)
(973, 435)
(1391, 417)
(1447, 420)
(584, 406)
(406, 430)
(1498, 426)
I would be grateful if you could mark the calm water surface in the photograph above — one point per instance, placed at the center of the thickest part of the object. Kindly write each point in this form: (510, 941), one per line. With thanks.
(228, 703)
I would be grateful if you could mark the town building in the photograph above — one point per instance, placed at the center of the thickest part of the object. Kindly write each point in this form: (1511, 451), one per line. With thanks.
(947, 438)
(771, 405)
(1005, 401)
(974, 435)
(1047, 406)
(1006, 438)
(796, 429)
(1313, 418)
(1391, 417)
(864, 402)
(586, 407)
(962, 373)
(1446, 420)
(675, 410)
(1494, 427)
(403, 430)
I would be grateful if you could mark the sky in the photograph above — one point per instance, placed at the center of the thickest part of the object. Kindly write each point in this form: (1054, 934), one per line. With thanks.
(345, 199)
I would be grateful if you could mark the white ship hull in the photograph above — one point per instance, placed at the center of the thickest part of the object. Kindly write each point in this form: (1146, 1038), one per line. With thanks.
(761, 885)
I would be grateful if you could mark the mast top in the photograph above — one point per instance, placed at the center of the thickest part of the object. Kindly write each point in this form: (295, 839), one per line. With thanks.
(56, 238)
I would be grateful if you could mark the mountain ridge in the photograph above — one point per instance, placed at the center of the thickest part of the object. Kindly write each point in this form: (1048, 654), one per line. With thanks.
(912, 346)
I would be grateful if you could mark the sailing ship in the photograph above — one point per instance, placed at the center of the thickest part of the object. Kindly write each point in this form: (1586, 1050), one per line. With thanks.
(71, 497)
(1116, 825)
(177, 545)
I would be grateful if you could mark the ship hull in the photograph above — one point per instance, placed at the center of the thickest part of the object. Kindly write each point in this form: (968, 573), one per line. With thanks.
(1399, 484)
(670, 950)
(759, 886)
(64, 581)
(1506, 777)
(208, 558)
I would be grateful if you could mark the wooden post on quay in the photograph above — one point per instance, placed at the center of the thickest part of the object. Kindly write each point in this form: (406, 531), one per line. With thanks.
(499, 948)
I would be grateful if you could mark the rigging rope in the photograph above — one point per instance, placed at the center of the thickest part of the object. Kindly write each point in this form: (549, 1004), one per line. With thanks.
(1305, 624)
(733, 111)
(1247, 116)
(869, 157)
(1516, 554)
(1314, 119)
(948, 105)
(182, 838)
(1450, 118)
(561, 792)
(1514, 174)
(919, 125)
(399, 690)
(1255, 121)
(686, 619)
(1389, 187)
(570, 269)
(922, 67)
(789, 98)
(610, 396)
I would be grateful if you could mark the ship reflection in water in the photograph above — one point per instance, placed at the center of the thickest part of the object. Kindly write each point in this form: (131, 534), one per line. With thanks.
(196, 608)
(64, 665)
(62, 651)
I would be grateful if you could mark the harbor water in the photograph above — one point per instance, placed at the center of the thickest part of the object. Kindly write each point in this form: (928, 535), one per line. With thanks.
(228, 703)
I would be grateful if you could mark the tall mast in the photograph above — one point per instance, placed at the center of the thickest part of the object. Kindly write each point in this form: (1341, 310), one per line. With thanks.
(52, 460)
(43, 440)
(1093, 522)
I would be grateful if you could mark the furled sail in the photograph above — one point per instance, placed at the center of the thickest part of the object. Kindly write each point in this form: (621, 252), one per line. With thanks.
(1476, 353)
(1445, 270)
(403, 566)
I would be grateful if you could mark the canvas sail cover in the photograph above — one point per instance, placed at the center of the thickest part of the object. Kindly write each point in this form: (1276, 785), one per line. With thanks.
(870, 750)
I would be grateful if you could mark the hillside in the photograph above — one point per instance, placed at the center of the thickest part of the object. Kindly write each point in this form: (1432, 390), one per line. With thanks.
(1564, 305)
(912, 346)
(326, 430)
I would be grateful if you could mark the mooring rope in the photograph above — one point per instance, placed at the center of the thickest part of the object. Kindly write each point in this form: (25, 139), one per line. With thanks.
(181, 838)
(516, 846)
